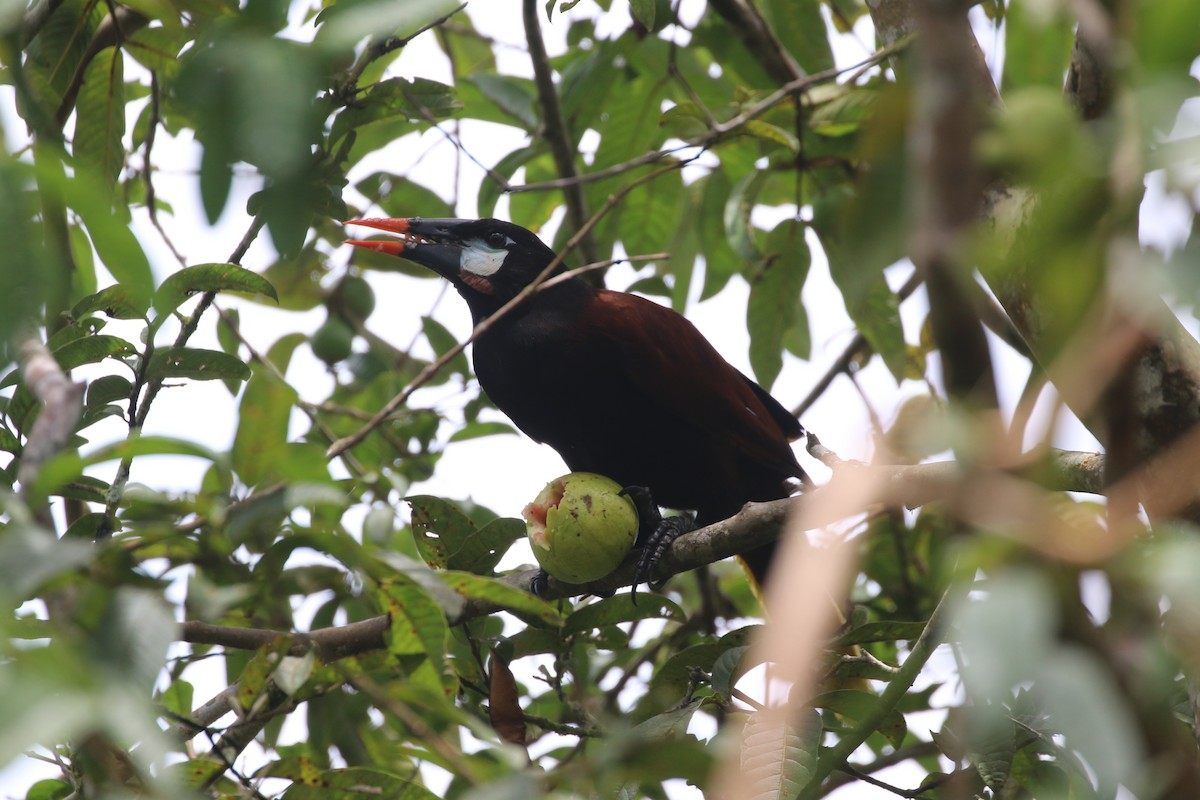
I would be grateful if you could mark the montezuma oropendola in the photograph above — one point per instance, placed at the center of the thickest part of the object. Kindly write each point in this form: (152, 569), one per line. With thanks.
(615, 383)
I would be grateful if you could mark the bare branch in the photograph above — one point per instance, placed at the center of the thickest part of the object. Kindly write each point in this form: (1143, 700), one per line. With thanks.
(948, 182)
(755, 525)
(62, 406)
(747, 24)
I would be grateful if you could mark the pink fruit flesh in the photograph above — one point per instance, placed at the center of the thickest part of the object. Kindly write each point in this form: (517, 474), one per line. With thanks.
(536, 512)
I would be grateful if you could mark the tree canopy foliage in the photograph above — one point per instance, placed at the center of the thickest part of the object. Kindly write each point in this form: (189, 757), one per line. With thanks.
(967, 611)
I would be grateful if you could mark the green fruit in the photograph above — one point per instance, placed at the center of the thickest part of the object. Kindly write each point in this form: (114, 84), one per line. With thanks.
(580, 527)
(333, 341)
(358, 298)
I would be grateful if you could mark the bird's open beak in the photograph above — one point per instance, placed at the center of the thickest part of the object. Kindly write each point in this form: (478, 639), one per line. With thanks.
(427, 242)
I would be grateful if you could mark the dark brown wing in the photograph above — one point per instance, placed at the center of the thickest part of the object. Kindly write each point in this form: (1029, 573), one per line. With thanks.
(667, 358)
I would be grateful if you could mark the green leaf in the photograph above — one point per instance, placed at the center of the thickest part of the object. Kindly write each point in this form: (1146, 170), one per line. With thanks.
(30, 557)
(196, 774)
(356, 782)
(774, 309)
(738, 228)
(721, 262)
(479, 552)
(344, 24)
(621, 608)
(439, 528)
(514, 96)
(260, 444)
(107, 389)
(69, 465)
(772, 133)
(49, 789)
(670, 724)
(801, 29)
(533, 209)
(228, 325)
(670, 683)
(658, 207)
(118, 247)
(9, 443)
(216, 180)
(100, 117)
(524, 604)
(252, 681)
(396, 97)
(727, 669)
(418, 628)
(116, 301)
(478, 430)
(643, 12)
(489, 189)
(158, 48)
(195, 363)
(90, 349)
(684, 120)
(178, 698)
(298, 280)
(779, 758)
(992, 745)
(855, 705)
(178, 287)
(1037, 46)
(28, 272)
(885, 631)
(442, 342)
(400, 197)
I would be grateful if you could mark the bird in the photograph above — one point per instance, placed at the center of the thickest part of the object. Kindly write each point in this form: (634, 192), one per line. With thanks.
(616, 383)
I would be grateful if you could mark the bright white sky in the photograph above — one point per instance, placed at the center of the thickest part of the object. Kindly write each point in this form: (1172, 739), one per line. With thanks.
(505, 472)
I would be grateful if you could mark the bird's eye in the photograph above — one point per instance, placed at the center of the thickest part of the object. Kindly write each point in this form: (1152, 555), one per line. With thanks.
(497, 240)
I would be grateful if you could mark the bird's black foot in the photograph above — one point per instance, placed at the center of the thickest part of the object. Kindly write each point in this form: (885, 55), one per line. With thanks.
(668, 530)
(655, 534)
(539, 583)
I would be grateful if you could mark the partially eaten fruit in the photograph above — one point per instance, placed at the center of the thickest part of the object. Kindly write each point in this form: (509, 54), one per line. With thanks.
(580, 527)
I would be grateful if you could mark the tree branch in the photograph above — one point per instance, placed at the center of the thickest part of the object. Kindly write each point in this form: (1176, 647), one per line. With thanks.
(755, 525)
(62, 405)
(760, 41)
(946, 122)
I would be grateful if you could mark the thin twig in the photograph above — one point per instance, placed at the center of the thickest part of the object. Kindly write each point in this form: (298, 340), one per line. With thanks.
(717, 132)
(138, 411)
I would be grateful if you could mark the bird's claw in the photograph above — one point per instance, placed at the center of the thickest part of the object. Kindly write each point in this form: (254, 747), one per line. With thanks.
(655, 534)
(539, 583)
(655, 548)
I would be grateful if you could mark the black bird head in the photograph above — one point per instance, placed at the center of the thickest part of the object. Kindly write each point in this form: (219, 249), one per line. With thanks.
(488, 260)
